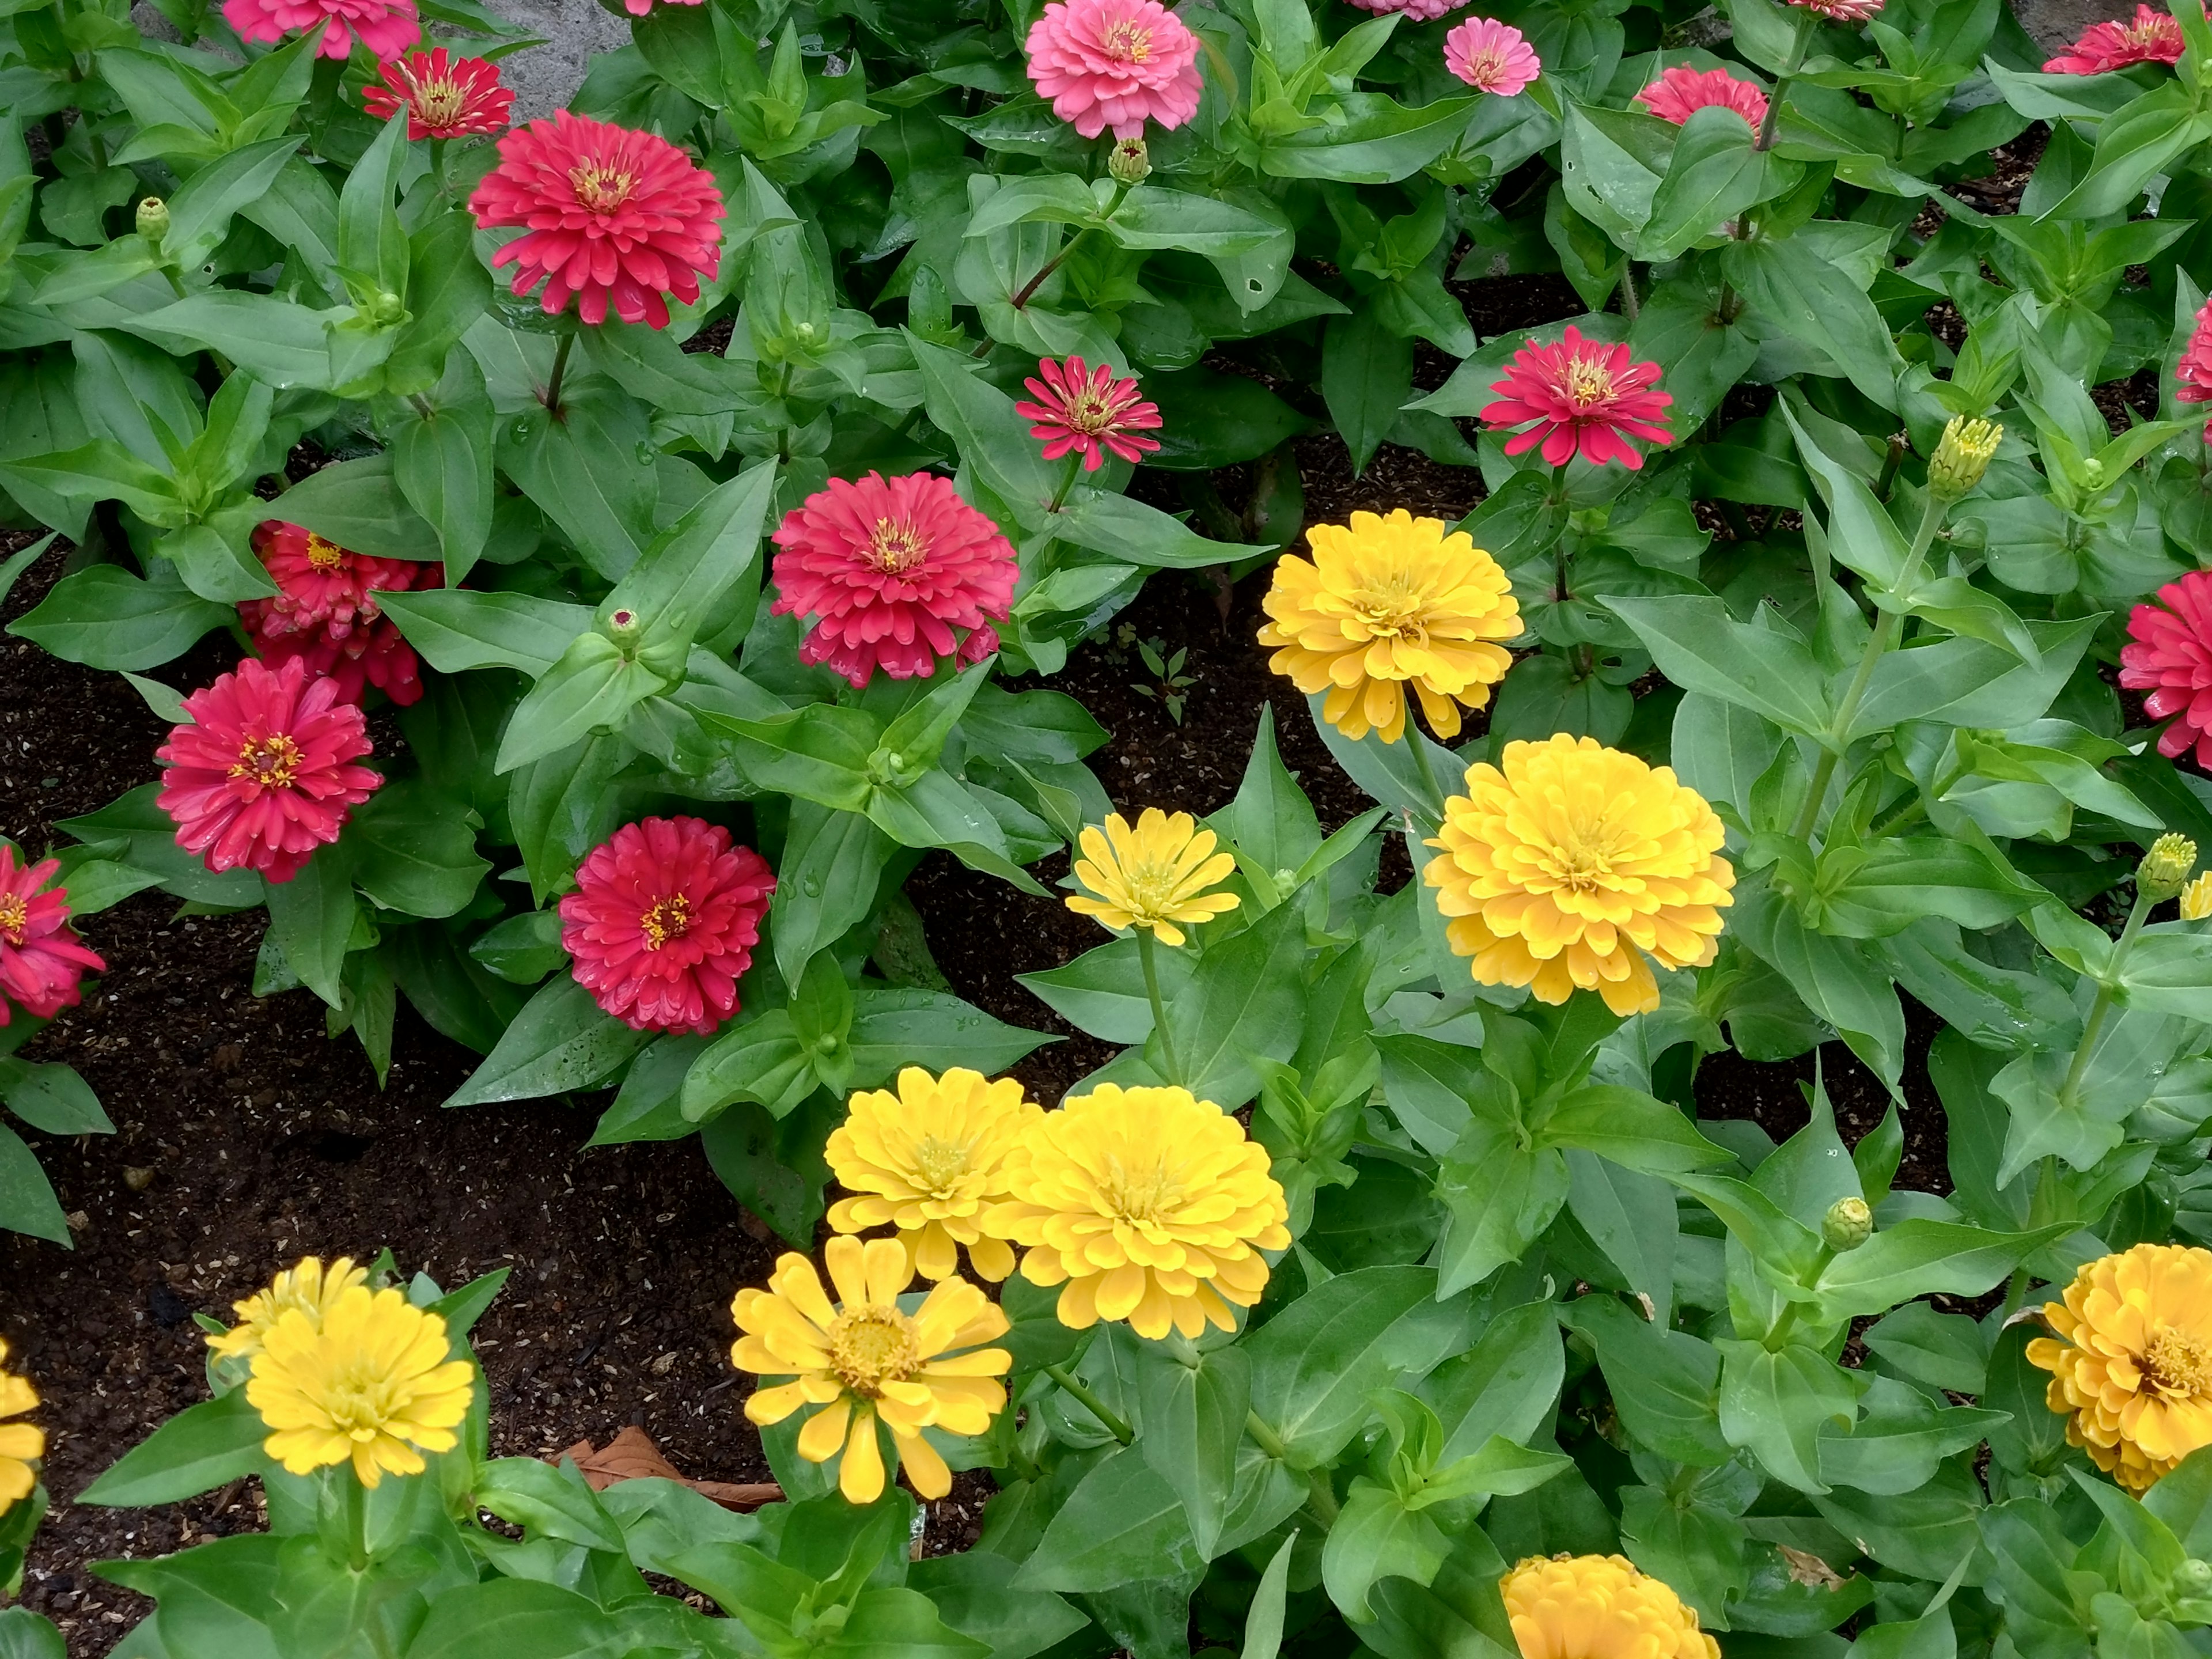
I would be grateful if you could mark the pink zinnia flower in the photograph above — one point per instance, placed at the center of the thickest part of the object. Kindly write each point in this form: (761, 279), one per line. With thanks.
(892, 566)
(1492, 57)
(2153, 37)
(41, 958)
(325, 613)
(613, 215)
(443, 96)
(663, 921)
(1421, 11)
(263, 774)
(1116, 63)
(1079, 409)
(1680, 92)
(1583, 395)
(1840, 11)
(2194, 371)
(639, 8)
(2169, 654)
(386, 27)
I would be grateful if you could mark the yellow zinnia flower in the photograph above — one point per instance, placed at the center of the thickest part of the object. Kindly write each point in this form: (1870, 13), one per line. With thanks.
(929, 1160)
(1153, 876)
(368, 1384)
(1387, 602)
(2131, 1361)
(1575, 862)
(1149, 1205)
(863, 1358)
(1598, 1606)
(310, 1287)
(2196, 898)
(21, 1444)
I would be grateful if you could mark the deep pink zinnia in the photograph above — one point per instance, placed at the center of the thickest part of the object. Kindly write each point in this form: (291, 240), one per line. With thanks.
(639, 8)
(2153, 37)
(1116, 63)
(1082, 410)
(1421, 11)
(386, 27)
(663, 921)
(326, 612)
(2169, 654)
(443, 96)
(263, 773)
(2194, 371)
(1680, 92)
(1840, 11)
(892, 566)
(1492, 57)
(613, 215)
(1583, 395)
(41, 958)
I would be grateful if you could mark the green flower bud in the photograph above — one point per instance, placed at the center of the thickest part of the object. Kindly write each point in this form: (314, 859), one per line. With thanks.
(1131, 163)
(624, 624)
(2193, 1577)
(1962, 457)
(1847, 1224)
(2165, 869)
(154, 219)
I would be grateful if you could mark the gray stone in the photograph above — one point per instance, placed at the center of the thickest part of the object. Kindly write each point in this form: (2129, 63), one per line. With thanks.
(544, 78)
(2055, 23)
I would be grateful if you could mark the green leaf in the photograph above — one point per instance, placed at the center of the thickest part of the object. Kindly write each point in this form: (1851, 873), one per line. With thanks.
(1247, 998)
(443, 467)
(200, 1449)
(518, 1619)
(560, 1042)
(150, 835)
(276, 341)
(1803, 294)
(833, 864)
(311, 919)
(1968, 682)
(1263, 1622)
(1193, 1418)
(51, 1097)
(1498, 1197)
(415, 850)
(359, 505)
(1920, 1257)
(761, 1061)
(1700, 648)
(553, 1502)
(1713, 176)
(1634, 1129)
(974, 1595)
(774, 1169)
(1123, 1523)
(27, 1204)
(201, 211)
(585, 473)
(991, 438)
(1505, 1385)
(1374, 1535)
(1102, 993)
(24, 1635)
(910, 1026)
(104, 616)
(1665, 1383)
(592, 688)
(456, 629)
(1775, 1404)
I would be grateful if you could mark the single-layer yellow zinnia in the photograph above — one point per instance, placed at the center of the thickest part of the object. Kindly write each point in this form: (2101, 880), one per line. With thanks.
(1153, 876)
(1387, 602)
(21, 1444)
(863, 1358)
(2131, 1362)
(929, 1160)
(310, 1288)
(1598, 1606)
(1147, 1205)
(1573, 864)
(367, 1385)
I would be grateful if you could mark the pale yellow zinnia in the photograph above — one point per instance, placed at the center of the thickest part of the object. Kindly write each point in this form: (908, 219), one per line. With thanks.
(2131, 1363)
(21, 1444)
(862, 1358)
(929, 1160)
(2196, 898)
(1571, 864)
(370, 1383)
(1598, 1606)
(1153, 877)
(310, 1288)
(1147, 1205)
(1387, 603)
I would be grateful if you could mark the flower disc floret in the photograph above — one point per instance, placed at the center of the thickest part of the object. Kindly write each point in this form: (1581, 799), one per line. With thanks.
(1146, 1204)
(309, 1289)
(443, 96)
(1681, 92)
(1585, 397)
(1598, 1606)
(1153, 877)
(42, 960)
(1083, 410)
(1385, 604)
(2151, 37)
(1574, 863)
(1116, 63)
(386, 27)
(2169, 654)
(862, 1359)
(20, 1444)
(1492, 57)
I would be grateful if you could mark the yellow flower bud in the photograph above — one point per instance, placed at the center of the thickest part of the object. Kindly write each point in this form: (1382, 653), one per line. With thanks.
(1847, 1224)
(1962, 457)
(2165, 869)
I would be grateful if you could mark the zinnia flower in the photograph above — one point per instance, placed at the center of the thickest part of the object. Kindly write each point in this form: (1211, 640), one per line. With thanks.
(929, 1160)
(862, 1358)
(1598, 1606)
(891, 566)
(663, 923)
(2169, 654)
(371, 1383)
(639, 8)
(309, 1289)
(1571, 864)
(2196, 898)
(41, 958)
(325, 613)
(1421, 11)
(1084, 410)
(1153, 876)
(1840, 11)
(1147, 1205)
(2153, 38)
(1492, 57)
(386, 27)
(1583, 395)
(263, 774)
(2194, 371)
(21, 1444)
(615, 216)
(443, 96)
(1387, 603)
(2131, 1359)
(1114, 63)
(1681, 91)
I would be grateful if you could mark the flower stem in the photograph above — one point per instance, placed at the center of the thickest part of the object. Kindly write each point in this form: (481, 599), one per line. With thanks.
(1145, 947)
(2102, 1009)
(1067, 480)
(1796, 61)
(1107, 1416)
(1629, 306)
(357, 1517)
(1430, 788)
(1028, 290)
(560, 372)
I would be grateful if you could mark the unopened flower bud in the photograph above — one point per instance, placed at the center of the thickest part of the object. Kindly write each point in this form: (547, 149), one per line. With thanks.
(622, 624)
(1962, 457)
(1131, 163)
(1847, 1224)
(2196, 898)
(2165, 869)
(154, 219)
(2193, 1577)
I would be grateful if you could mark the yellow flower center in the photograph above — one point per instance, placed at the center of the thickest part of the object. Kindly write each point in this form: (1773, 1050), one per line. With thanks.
(359, 1401)
(669, 918)
(14, 917)
(2141, 34)
(1582, 859)
(1151, 888)
(940, 1163)
(1139, 1195)
(439, 103)
(1587, 382)
(895, 546)
(2179, 1363)
(872, 1345)
(1486, 65)
(1394, 608)
(1127, 43)
(271, 761)
(601, 189)
(324, 554)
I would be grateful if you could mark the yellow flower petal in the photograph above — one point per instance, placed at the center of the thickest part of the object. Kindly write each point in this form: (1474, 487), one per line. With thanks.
(1152, 876)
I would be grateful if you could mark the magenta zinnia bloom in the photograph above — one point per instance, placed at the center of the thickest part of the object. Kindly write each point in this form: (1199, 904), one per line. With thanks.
(1421, 11)
(2194, 371)
(1583, 395)
(892, 566)
(2169, 654)
(1680, 92)
(1116, 63)
(1492, 57)
(263, 774)
(325, 613)
(41, 959)
(2153, 37)
(614, 216)
(1080, 409)
(1840, 11)
(663, 922)
(386, 27)
(443, 96)
(639, 8)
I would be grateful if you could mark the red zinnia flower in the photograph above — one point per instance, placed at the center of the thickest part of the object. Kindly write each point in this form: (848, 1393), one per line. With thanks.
(41, 959)
(443, 96)
(1840, 11)
(663, 922)
(1114, 63)
(2169, 654)
(639, 8)
(1680, 92)
(1421, 11)
(891, 566)
(1079, 409)
(2153, 37)
(2194, 371)
(613, 215)
(263, 774)
(1583, 395)
(386, 27)
(325, 613)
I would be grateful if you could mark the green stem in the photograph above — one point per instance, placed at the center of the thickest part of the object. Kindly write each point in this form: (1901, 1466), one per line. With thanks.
(1028, 290)
(356, 1518)
(1099, 1408)
(1765, 139)
(1433, 790)
(1786, 1321)
(1146, 945)
(2015, 1293)
(1897, 820)
(1629, 306)
(2102, 1009)
(560, 372)
(1067, 480)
